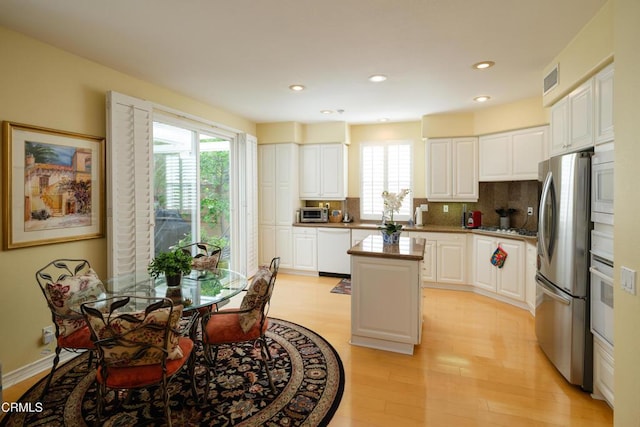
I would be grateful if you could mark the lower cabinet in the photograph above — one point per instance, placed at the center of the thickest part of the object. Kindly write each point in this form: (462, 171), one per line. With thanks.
(602, 370)
(508, 281)
(275, 241)
(305, 248)
(445, 257)
(530, 277)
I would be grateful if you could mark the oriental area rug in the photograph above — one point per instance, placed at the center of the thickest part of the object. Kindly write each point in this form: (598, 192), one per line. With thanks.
(306, 369)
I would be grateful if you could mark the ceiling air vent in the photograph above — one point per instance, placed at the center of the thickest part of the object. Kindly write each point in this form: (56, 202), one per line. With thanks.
(550, 80)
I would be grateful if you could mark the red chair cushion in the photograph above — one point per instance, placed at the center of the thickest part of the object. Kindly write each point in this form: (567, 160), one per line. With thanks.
(144, 375)
(81, 338)
(225, 328)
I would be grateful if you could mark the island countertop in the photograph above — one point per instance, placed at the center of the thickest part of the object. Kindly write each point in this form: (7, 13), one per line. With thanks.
(409, 248)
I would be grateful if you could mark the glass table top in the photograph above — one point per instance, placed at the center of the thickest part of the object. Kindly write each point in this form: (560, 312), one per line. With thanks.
(199, 288)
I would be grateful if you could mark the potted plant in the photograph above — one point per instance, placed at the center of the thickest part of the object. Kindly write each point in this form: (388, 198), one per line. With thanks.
(390, 229)
(172, 264)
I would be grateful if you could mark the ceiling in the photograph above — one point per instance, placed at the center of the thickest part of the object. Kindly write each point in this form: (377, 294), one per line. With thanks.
(242, 55)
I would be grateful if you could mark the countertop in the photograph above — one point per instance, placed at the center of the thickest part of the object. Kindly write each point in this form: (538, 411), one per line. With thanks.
(409, 248)
(429, 228)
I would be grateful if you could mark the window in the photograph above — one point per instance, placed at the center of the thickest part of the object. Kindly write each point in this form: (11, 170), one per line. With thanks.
(384, 166)
(191, 186)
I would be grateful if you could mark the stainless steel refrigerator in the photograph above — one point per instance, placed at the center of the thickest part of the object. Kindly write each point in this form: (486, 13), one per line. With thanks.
(562, 279)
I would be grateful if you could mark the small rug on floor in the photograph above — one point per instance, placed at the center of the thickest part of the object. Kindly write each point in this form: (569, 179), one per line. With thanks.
(343, 287)
(306, 369)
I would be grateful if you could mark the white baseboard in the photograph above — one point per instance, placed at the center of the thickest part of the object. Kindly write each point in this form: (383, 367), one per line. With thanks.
(34, 368)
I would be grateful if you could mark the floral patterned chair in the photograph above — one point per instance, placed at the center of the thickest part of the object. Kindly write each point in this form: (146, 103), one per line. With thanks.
(246, 324)
(65, 284)
(139, 344)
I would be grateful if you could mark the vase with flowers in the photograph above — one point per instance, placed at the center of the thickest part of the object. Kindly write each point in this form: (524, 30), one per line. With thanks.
(391, 229)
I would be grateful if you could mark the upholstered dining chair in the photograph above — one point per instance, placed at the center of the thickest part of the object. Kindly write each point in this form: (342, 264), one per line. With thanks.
(245, 324)
(65, 284)
(139, 344)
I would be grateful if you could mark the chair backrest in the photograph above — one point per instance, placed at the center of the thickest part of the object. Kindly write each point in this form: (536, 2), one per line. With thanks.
(134, 330)
(255, 304)
(66, 284)
(205, 255)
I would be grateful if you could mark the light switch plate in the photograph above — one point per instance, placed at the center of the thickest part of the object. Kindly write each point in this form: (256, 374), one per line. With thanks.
(445, 208)
(628, 279)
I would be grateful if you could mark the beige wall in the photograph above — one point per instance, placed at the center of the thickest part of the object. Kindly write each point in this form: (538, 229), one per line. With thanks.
(627, 205)
(44, 86)
(590, 50)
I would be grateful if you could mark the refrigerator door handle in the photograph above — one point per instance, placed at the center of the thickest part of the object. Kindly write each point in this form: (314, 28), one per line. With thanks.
(551, 292)
(547, 242)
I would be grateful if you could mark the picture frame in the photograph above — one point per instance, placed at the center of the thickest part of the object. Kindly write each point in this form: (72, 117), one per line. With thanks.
(53, 186)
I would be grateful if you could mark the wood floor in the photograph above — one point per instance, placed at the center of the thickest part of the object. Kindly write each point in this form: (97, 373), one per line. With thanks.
(478, 365)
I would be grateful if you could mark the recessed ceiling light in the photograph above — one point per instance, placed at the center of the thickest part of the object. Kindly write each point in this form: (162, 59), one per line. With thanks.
(326, 111)
(483, 65)
(482, 98)
(384, 119)
(296, 88)
(377, 78)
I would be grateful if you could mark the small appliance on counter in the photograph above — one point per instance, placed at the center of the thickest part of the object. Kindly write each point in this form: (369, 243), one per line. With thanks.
(475, 219)
(312, 214)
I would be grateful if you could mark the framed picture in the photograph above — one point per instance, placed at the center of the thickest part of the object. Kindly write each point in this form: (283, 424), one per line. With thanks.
(53, 186)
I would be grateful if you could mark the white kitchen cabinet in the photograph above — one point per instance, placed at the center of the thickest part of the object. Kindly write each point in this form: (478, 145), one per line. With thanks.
(572, 121)
(603, 104)
(508, 281)
(323, 172)
(275, 241)
(305, 248)
(357, 234)
(512, 156)
(444, 257)
(452, 169)
(277, 200)
(603, 370)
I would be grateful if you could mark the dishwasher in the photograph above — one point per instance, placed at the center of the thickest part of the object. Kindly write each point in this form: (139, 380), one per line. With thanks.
(333, 244)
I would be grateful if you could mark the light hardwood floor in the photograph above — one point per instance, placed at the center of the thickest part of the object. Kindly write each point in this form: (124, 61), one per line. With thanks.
(478, 365)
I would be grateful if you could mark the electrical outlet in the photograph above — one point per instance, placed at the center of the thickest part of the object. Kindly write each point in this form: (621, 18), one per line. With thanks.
(47, 334)
(424, 207)
(445, 208)
(628, 280)
(530, 211)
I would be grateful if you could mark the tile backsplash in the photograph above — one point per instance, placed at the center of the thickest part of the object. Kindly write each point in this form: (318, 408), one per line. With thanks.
(518, 195)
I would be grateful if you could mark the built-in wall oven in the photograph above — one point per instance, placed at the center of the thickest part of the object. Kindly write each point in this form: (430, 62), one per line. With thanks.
(602, 297)
(602, 187)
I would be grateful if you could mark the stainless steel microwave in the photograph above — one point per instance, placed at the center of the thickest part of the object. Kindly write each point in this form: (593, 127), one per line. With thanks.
(310, 214)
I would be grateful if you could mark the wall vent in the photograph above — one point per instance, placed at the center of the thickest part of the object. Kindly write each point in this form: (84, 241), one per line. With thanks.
(550, 80)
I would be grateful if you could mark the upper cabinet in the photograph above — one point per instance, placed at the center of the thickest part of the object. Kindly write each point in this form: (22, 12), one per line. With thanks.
(603, 86)
(585, 116)
(323, 172)
(452, 169)
(513, 156)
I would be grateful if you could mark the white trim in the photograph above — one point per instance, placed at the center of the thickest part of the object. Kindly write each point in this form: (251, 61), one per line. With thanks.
(27, 371)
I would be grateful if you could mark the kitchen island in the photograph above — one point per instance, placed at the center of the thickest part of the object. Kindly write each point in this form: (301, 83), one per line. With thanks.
(386, 297)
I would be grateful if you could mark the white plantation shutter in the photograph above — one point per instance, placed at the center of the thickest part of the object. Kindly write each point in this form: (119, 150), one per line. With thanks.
(249, 213)
(129, 185)
(373, 180)
(384, 166)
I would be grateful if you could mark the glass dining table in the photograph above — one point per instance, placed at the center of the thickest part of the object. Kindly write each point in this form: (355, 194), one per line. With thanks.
(200, 289)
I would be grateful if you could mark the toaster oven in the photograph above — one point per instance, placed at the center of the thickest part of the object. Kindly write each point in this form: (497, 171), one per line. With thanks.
(311, 214)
